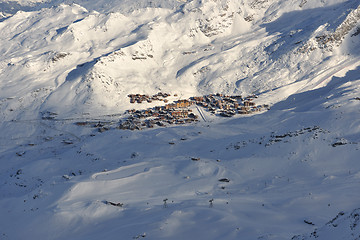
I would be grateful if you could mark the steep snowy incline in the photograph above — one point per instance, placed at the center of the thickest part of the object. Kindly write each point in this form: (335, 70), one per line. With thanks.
(200, 50)
(90, 61)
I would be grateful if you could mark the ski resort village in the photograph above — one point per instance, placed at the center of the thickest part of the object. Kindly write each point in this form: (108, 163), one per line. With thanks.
(180, 111)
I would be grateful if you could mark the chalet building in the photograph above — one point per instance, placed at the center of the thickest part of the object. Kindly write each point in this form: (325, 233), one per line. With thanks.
(183, 114)
(170, 106)
(184, 103)
(198, 99)
(164, 95)
(219, 104)
(244, 110)
(249, 103)
(256, 109)
(178, 104)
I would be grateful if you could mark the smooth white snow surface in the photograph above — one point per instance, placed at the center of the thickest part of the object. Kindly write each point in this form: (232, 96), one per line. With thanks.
(291, 169)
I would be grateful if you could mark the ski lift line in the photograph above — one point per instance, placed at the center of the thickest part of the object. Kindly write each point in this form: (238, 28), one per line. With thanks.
(201, 113)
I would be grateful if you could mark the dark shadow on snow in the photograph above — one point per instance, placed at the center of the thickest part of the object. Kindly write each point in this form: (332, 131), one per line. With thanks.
(295, 28)
(288, 112)
(306, 101)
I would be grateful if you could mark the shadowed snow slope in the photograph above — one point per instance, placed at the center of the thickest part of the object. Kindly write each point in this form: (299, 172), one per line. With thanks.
(283, 173)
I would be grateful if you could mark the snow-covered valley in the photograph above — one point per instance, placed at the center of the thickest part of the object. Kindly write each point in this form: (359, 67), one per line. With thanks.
(291, 172)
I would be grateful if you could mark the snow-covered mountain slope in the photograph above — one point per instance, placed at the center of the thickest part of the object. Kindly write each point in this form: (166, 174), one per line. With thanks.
(296, 162)
(92, 60)
(278, 174)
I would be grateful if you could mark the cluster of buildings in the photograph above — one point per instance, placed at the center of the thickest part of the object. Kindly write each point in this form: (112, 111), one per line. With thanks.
(179, 112)
(139, 98)
(157, 116)
(228, 106)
